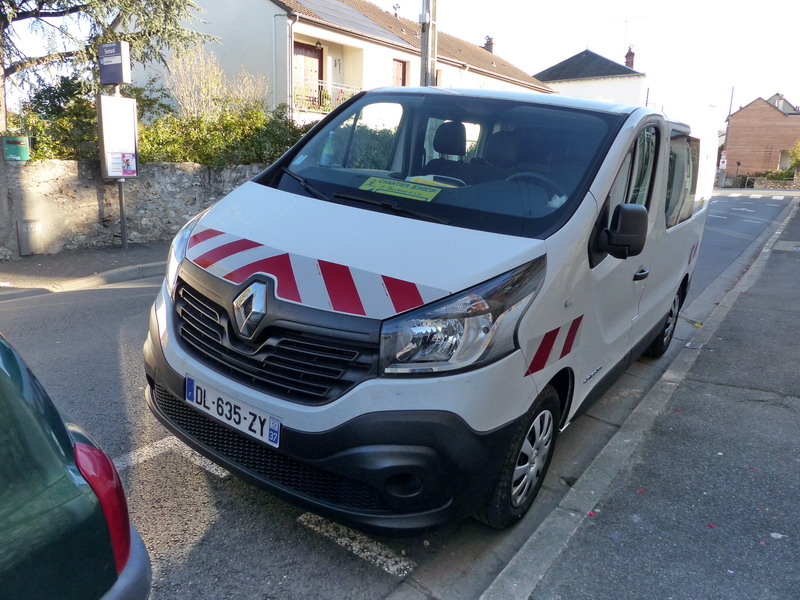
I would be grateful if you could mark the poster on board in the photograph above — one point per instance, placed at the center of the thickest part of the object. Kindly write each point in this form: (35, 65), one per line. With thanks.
(116, 118)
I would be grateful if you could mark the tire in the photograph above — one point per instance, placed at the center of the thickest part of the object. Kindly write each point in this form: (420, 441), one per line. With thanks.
(659, 345)
(526, 463)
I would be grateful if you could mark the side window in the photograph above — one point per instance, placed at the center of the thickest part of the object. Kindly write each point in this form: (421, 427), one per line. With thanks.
(632, 185)
(364, 141)
(682, 179)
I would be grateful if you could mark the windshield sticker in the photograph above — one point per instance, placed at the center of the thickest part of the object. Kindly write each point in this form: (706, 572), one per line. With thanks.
(403, 189)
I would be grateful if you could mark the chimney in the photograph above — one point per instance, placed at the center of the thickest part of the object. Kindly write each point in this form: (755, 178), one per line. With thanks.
(489, 45)
(629, 58)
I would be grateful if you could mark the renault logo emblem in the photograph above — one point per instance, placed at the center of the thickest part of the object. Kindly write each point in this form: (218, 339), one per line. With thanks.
(250, 307)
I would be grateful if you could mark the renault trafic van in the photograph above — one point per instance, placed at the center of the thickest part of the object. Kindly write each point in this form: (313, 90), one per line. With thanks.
(392, 323)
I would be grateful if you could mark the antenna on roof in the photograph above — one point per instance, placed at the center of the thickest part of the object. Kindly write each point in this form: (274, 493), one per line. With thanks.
(396, 7)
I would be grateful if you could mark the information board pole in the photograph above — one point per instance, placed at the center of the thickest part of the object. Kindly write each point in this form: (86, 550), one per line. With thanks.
(123, 224)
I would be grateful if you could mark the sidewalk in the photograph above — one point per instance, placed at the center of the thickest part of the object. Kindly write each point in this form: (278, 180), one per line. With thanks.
(80, 269)
(696, 496)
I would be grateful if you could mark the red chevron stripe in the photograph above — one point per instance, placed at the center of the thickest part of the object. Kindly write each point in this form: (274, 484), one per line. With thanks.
(341, 288)
(543, 352)
(224, 251)
(403, 294)
(202, 236)
(280, 267)
(571, 335)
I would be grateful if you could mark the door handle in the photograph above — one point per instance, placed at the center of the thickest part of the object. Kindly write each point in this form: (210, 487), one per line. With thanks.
(642, 273)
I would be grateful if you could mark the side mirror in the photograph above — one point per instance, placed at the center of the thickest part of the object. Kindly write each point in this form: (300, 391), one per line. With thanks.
(628, 231)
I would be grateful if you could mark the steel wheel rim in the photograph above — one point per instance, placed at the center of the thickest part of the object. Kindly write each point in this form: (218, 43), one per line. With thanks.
(532, 458)
(672, 319)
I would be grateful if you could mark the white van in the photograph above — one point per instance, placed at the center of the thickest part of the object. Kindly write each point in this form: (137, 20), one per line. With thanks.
(392, 323)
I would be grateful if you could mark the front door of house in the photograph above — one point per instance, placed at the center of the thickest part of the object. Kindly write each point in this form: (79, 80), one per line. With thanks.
(307, 72)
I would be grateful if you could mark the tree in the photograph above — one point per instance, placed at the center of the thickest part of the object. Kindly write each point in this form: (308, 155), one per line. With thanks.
(794, 154)
(72, 29)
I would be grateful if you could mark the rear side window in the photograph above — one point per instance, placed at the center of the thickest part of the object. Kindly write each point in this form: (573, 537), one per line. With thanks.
(682, 179)
(645, 157)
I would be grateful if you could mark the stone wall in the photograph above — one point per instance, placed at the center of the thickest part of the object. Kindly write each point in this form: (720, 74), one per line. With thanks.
(762, 183)
(76, 208)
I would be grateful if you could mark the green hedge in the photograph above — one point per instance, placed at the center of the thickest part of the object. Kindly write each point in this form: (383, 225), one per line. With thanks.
(61, 119)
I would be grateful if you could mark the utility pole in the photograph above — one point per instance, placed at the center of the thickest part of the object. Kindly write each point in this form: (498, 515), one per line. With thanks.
(428, 52)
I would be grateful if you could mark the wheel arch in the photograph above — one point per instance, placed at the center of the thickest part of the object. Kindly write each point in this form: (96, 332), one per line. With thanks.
(564, 384)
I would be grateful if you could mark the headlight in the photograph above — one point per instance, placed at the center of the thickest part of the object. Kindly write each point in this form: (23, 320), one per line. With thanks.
(177, 252)
(471, 328)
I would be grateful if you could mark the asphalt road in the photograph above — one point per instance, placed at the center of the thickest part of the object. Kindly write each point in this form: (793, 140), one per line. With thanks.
(213, 536)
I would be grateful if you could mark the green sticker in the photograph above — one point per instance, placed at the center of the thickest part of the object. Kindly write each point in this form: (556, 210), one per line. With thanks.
(403, 189)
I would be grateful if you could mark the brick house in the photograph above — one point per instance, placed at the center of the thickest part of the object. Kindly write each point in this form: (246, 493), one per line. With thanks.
(760, 135)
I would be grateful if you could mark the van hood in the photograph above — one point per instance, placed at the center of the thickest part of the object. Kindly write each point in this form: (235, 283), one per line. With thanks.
(344, 259)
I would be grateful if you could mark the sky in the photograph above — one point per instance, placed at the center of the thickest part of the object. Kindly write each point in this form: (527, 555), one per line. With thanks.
(694, 52)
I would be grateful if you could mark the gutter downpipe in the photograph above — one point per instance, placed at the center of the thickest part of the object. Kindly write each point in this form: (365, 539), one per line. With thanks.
(289, 64)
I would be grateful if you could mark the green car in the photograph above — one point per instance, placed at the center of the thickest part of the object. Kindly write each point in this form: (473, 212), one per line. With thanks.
(64, 526)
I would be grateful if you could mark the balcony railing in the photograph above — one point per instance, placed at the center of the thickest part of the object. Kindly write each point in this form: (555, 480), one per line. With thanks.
(317, 95)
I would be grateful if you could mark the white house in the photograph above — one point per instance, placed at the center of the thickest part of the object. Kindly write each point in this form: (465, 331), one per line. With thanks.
(317, 53)
(589, 75)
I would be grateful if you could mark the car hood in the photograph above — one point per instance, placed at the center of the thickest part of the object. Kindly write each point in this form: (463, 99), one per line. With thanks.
(344, 259)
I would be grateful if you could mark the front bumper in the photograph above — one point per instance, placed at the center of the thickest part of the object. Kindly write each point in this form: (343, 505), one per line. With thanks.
(387, 470)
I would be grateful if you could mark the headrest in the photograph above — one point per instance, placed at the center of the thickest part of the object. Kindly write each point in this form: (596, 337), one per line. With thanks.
(451, 138)
(501, 149)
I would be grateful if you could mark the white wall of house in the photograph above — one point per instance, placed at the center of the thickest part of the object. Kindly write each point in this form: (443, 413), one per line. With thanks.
(625, 90)
(245, 30)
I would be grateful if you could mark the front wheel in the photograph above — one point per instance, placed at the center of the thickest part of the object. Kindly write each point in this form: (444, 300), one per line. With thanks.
(526, 463)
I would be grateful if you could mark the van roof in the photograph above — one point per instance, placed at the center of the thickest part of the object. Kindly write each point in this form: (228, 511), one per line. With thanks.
(549, 99)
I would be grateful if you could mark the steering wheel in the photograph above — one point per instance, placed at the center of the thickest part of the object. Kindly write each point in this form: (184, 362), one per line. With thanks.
(549, 184)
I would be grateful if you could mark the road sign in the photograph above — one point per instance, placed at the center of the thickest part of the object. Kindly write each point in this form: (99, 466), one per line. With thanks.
(115, 63)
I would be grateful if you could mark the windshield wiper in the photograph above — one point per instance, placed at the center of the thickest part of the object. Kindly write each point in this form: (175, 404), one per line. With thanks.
(306, 185)
(400, 210)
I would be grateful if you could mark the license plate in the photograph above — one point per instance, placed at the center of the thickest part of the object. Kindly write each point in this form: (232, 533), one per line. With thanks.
(240, 416)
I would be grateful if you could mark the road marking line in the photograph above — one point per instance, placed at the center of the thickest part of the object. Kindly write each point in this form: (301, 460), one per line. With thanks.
(776, 198)
(168, 444)
(755, 196)
(734, 195)
(778, 205)
(717, 217)
(751, 221)
(359, 544)
(747, 203)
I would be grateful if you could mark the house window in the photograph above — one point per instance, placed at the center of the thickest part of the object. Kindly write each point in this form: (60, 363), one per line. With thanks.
(400, 73)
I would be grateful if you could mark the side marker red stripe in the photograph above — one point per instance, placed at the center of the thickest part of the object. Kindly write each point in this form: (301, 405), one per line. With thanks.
(543, 352)
(278, 266)
(224, 251)
(202, 236)
(571, 335)
(341, 288)
(403, 294)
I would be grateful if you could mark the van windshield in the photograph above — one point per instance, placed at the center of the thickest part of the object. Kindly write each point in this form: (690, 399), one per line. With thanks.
(506, 166)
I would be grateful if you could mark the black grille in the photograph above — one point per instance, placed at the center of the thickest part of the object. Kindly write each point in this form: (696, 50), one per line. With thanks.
(268, 465)
(291, 365)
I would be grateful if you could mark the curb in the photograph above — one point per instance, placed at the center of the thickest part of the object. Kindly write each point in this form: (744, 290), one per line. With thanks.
(522, 575)
(115, 276)
(120, 275)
